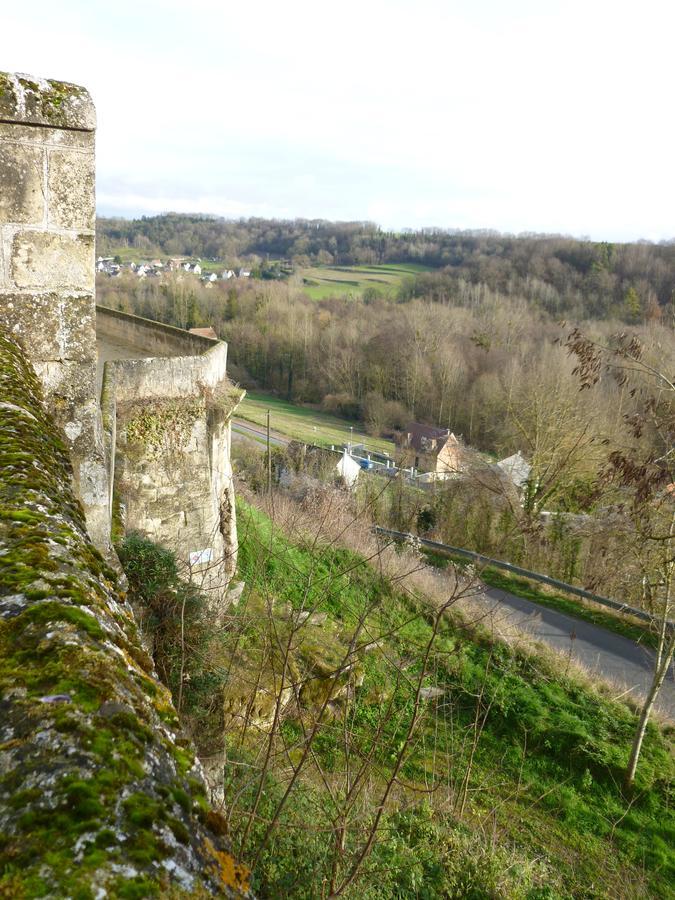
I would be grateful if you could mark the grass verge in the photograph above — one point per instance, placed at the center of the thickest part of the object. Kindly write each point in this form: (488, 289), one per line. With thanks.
(303, 424)
(545, 772)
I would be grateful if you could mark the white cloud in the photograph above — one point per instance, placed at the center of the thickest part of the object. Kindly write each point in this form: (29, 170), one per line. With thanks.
(529, 115)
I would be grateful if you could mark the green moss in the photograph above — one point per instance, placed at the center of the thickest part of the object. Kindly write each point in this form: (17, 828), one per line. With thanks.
(162, 426)
(179, 830)
(83, 801)
(142, 810)
(138, 888)
(54, 611)
(100, 745)
(105, 838)
(184, 759)
(182, 798)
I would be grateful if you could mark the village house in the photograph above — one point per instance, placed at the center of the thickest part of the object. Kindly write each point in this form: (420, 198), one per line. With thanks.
(516, 469)
(435, 450)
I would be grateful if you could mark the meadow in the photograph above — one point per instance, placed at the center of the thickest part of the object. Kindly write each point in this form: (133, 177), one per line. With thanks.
(351, 281)
(301, 423)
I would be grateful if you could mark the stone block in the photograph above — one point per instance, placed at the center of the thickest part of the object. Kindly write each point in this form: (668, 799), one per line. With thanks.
(51, 326)
(45, 137)
(71, 189)
(38, 101)
(47, 261)
(21, 184)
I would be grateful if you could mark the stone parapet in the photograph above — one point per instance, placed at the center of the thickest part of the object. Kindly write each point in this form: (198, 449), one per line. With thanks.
(167, 432)
(40, 101)
(156, 338)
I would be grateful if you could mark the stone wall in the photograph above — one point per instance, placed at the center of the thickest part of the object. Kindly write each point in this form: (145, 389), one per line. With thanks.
(47, 221)
(167, 428)
(155, 338)
(99, 796)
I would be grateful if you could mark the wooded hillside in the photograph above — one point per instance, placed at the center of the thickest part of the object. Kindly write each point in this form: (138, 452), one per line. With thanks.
(561, 274)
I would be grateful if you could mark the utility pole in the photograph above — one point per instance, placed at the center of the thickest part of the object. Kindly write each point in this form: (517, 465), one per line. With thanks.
(269, 458)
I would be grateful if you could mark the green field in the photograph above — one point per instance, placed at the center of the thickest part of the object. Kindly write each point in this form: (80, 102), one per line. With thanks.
(352, 281)
(308, 425)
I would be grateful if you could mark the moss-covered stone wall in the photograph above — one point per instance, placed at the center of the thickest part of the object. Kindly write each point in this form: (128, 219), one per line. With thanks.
(99, 796)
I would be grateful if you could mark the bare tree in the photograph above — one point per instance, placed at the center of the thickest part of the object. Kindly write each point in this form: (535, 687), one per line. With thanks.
(642, 476)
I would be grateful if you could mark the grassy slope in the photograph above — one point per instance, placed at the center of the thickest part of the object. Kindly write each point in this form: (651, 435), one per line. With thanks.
(303, 424)
(352, 281)
(549, 762)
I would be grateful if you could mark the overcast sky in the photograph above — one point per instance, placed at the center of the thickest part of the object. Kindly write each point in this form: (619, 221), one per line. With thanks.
(520, 115)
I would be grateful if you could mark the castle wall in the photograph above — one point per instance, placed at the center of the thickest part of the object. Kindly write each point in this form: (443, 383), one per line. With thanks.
(87, 732)
(47, 226)
(155, 338)
(167, 428)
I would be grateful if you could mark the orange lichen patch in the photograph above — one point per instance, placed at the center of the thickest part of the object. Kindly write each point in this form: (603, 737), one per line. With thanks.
(232, 874)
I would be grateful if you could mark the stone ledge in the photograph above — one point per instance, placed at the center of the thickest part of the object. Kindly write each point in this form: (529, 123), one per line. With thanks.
(52, 104)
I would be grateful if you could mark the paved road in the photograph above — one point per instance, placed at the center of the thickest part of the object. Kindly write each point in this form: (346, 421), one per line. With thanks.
(616, 658)
(257, 433)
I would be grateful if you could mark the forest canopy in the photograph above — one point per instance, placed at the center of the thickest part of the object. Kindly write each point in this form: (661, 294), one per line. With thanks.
(560, 274)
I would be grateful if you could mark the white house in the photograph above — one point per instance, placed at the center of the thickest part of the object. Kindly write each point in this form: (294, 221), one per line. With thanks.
(227, 274)
(516, 469)
(348, 469)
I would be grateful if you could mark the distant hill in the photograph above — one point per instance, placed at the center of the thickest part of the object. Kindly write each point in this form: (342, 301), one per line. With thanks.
(563, 275)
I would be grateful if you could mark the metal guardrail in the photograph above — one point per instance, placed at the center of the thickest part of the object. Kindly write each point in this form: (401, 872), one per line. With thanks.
(534, 576)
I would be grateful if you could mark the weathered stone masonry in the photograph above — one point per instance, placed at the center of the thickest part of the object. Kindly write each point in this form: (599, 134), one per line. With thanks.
(167, 433)
(98, 796)
(47, 222)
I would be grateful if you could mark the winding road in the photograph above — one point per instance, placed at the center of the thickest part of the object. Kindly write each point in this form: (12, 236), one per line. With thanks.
(614, 657)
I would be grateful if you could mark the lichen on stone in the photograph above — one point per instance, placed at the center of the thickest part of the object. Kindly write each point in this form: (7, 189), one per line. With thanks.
(98, 795)
(38, 101)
